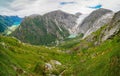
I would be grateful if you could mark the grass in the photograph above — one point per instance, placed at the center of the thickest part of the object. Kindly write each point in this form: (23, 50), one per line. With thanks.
(88, 60)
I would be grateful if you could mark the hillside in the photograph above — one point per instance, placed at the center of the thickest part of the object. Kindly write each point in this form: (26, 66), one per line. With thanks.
(95, 20)
(53, 27)
(47, 29)
(89, 57)
(7, 21)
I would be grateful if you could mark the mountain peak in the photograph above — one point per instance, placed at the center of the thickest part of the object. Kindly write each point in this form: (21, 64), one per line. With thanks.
(34, 15)
(95, 20)
(57, 13)
(78, 14)
(102, 10)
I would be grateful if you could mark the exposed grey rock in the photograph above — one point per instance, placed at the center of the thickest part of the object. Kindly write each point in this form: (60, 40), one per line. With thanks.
(107, 31)
(112, 28)
(96, 17)
(99, 23)
(80, 19)
(46, 29)
(48, 66)
(51, 66)
(78, 14)
(63, 19)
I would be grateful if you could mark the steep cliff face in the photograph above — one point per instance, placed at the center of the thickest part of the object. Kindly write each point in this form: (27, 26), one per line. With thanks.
(94, 21)
(63, 19)
(75, 29)
(107, 31)
(46, 29)
(113, 27)
(99, 23)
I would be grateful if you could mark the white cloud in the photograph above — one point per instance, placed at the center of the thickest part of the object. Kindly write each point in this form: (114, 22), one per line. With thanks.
(28, 7)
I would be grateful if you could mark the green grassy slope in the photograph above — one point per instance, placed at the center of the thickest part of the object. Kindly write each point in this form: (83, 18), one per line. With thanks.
(26, 58)
(17, 58)
(95, 57)
(88, 57)
(102, 60)
(40, 31)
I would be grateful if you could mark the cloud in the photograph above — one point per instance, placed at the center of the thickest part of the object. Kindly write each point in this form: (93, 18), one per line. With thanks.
(28, 7)
(96, 6)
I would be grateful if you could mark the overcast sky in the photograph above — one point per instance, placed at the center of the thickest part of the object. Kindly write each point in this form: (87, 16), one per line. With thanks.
(28, 7)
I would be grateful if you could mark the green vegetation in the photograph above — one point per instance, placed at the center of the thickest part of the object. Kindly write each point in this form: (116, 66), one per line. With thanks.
(6, 21)
(25, 57)
(70, 42)
(17, 58)
(73, 57)
(40, 31)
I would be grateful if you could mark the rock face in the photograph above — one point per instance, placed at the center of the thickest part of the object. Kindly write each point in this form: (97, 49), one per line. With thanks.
(99, 23)
(52, 67)
(46, 29)
(94, 21)
(113, 27)
(63, 19)
(55, 26)
(107, 31)
(75, 29)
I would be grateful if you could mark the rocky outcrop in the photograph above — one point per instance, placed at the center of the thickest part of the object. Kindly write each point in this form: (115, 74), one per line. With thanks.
(53, 68)
(75, 29)
(94, 21)
(107, 31)
(112, 28)
(99, 23)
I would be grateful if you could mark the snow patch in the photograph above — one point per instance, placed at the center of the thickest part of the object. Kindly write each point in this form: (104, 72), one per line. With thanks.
(75, 29)
(58, 26)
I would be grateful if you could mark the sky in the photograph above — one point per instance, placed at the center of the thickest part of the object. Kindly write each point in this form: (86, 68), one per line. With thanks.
(28, 7)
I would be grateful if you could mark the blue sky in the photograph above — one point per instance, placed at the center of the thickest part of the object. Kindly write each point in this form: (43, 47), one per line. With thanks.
(66, 3)
(28, 7)
(96, 6)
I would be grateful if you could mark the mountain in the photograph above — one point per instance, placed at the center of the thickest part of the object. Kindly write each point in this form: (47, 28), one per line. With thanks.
(46, 29)
(106, 31)
(65, 19)
(113, 27)
(94, 21)
(99, 51)
(7, 21)
(96, 55)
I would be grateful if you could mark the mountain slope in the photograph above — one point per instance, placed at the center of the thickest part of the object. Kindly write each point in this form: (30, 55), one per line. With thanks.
(17, 58)
(22, 59)
(86, 58)
(99, 52)
(7, 21)
(94, 21)
(46, 29)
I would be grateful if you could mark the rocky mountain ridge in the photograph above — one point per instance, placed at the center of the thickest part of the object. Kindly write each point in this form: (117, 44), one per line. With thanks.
(53, 25)
(95, 20)
(88, 57)
(58, 25)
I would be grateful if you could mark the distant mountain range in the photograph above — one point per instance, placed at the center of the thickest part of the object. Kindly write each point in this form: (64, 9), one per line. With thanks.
(57, 25)
(96, 54)
(47, 29)
(7, 21)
